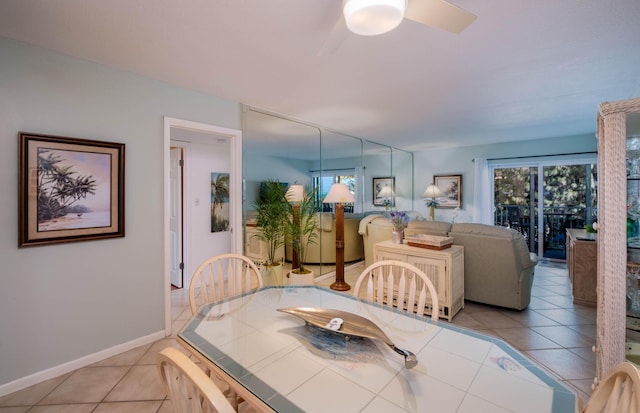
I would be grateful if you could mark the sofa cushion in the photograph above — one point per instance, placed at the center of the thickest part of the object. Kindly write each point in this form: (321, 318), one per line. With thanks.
(438, 228)
(519, 243)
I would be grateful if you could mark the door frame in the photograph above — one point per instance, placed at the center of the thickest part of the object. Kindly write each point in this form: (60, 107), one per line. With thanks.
(235, 186)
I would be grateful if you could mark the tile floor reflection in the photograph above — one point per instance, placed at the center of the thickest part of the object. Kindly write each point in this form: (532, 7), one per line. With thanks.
(553, 332)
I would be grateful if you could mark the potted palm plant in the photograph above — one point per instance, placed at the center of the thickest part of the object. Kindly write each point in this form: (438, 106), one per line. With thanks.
(271, 209)
(301, 229)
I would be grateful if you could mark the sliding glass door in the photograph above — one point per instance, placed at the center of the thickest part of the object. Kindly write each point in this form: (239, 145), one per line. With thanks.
(567, 200)
(515, 200)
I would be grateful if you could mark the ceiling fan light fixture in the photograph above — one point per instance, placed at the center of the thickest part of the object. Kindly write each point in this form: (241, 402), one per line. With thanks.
(372, 17)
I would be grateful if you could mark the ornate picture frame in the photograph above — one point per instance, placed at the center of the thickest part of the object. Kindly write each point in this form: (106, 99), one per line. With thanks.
(69, 189)
(451, 188)
(381, 197)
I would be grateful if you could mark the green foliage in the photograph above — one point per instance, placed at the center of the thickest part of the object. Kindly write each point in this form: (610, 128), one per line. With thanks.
(58, 188)
(302, 225)
(272, 209)
(564, 185)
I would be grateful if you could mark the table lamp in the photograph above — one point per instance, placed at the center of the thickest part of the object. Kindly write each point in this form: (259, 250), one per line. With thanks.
(295, 195)
(338, 194)
(387, 193)
(432, 192)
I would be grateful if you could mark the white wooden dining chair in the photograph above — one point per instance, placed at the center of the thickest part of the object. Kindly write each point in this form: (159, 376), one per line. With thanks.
(222, 276)
(618, 392)
(398, 284)
(188, 387)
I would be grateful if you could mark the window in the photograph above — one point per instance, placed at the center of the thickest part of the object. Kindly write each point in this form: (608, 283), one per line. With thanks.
(324, 181)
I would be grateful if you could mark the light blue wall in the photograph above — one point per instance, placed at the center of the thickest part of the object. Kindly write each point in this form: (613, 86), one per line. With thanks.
(62, 302)
(460, 161)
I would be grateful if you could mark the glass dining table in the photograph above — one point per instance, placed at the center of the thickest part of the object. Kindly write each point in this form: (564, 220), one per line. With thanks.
(278, 362)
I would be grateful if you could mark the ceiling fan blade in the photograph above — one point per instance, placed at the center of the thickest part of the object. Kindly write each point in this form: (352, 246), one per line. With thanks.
(439, 14)
(337, 35)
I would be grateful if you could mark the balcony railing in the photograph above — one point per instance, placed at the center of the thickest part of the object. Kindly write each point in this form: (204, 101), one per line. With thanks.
(555, 223)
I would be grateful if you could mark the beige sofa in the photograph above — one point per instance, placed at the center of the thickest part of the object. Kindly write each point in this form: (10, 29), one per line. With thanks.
(324, 249)
(498, 268)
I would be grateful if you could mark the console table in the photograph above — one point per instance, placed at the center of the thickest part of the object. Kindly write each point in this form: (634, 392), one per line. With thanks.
(582, 263)
(445, 269)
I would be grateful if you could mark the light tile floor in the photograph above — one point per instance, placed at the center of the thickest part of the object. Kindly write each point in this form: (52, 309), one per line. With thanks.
(554, 332)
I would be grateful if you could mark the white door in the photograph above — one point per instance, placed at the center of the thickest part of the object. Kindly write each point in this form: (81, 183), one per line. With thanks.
(175, 216)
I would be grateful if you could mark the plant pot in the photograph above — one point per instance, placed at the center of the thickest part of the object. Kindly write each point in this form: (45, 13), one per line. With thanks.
(301, 278)
(273, 274)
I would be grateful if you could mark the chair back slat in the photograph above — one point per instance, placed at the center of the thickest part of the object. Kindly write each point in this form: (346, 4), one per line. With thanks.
(422, 301)
(390, 281)
(234, 278)
(402, 287)
(222, 276)
(208, 294)
(398, 284)
(379, 291)
(219, 282)
(246, 277)
(370, 287)
(411, 298)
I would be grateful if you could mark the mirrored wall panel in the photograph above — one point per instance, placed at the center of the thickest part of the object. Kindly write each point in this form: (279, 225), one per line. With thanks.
(295, 152)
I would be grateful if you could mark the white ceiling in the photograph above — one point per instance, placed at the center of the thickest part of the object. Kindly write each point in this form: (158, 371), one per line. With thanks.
(524, 69)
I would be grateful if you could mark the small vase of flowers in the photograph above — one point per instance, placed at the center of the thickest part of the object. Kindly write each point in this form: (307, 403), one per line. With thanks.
(399, 220)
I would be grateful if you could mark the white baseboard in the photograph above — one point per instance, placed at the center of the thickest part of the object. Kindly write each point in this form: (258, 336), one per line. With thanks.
(39, 377)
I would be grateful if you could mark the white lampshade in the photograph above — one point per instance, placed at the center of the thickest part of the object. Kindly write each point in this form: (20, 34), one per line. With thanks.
(432, 191)
(371, 17)
(339, 193)
(386, 192)
(295, 193)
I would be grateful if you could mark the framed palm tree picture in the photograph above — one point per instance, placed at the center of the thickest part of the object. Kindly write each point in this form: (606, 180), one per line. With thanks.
(69, 189)
(219, 202)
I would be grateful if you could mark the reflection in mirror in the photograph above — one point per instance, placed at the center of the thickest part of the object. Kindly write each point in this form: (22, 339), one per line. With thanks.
(273, 149)
(377, 164)
(290, 151)
(340, 162)
(402, 166)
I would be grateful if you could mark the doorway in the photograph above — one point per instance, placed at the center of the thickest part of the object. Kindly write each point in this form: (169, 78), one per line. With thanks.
(542, 200)
(176, 222)
(188, 236)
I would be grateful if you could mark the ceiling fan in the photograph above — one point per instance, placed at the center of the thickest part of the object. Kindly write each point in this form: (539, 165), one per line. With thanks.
(373, 17)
